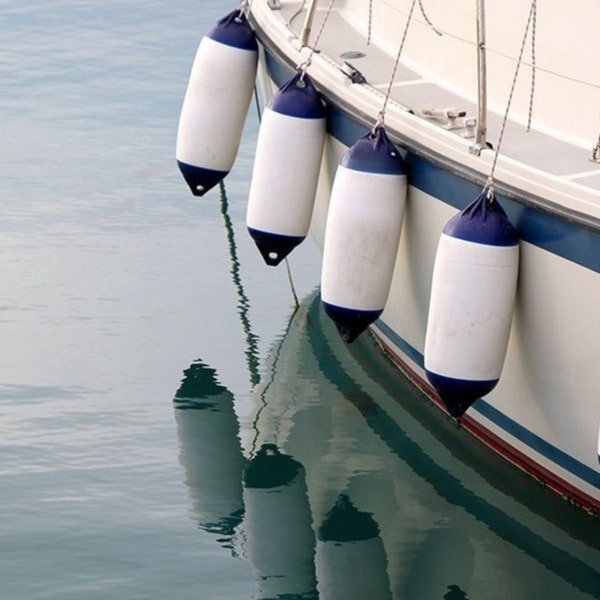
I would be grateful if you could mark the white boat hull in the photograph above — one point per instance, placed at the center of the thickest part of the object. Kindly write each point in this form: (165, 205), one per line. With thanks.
(544, 413)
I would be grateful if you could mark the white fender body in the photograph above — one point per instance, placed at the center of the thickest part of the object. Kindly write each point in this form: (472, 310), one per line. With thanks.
(470, 312)
(216, 103)
(362, 234)
(286, 169)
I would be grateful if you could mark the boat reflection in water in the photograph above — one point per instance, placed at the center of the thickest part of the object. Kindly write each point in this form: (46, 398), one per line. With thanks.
(353, 488)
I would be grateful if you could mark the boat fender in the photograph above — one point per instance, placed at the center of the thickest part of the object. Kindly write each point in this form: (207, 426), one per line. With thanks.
(286, 169)
(362, 233)
(472, 297)
(216, 102)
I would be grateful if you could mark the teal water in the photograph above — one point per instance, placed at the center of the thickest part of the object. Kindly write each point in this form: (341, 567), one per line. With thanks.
(170, 425)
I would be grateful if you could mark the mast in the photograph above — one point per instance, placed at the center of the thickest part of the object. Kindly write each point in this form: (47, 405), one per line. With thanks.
(480, 136)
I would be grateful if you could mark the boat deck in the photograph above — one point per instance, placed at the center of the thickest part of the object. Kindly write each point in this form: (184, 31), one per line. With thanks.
(544, 152)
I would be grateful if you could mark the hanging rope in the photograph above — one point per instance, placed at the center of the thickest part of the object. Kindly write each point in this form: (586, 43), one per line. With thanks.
(257, 104)
(596, 152)
(381, 116)
(244, 7)
(427, 20)
(252, 353)
(296, 13)
(292, 287)
(421, 8)
(533, 24)
(370, 28)
(304, 66)
(490, 180)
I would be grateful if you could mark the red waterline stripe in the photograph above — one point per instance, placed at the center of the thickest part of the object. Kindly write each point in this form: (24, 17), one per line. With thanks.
(500, 446)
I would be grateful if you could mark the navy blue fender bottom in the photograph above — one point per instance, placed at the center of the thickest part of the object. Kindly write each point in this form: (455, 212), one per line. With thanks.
(274, 247)
(350, 322)
(199, 179)
(458, 394)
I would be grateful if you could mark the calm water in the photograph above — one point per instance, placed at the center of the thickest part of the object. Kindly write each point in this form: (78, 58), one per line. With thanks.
(170, 427)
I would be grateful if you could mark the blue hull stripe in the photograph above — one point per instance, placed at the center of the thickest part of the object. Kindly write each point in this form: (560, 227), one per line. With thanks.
(557, 456)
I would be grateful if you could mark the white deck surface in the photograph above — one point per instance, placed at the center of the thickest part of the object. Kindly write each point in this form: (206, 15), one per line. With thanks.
(534, 148)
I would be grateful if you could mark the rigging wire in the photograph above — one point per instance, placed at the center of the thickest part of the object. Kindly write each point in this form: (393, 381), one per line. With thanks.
(427, 20)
